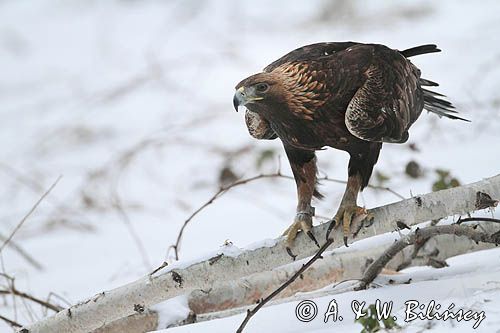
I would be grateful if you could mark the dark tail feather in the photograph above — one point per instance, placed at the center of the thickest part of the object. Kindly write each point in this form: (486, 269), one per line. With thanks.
(435, 104)
(429, 83)
(422, 49)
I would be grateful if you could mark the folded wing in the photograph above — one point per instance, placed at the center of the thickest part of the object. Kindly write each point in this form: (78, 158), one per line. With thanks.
(388, 102)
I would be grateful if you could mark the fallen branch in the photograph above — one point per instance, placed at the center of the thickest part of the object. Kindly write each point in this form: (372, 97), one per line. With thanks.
(334, 267)
(239, 296)
(177, 279)
(376, 267)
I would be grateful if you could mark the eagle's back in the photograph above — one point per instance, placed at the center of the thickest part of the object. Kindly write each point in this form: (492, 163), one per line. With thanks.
(346, 94)
(367, 92)
(311, 52)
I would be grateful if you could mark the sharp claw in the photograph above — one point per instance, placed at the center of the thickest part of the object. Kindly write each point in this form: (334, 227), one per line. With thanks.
(369, 221)
(290, 253)
(330, 228)
(310, 234)
(350, 216)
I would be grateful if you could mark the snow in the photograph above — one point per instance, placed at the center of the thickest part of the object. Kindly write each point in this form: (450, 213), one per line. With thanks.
(171, 311)
(131, 102)
(229, 250)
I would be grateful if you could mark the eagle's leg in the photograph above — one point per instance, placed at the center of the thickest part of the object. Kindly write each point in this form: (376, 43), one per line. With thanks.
(349, 211)
(359, 172)
(303, 164)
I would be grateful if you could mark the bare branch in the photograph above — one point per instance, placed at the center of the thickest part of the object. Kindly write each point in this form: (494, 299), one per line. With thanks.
(23, 253)
(477, 219)
(16, 292)
(214, 197)
(10, 322)
(224, 189)
(376, 267)
(251, 313)
(130, 228)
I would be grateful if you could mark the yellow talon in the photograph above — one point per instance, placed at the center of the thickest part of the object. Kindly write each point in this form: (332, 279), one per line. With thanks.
(302, 222)
(349, 215)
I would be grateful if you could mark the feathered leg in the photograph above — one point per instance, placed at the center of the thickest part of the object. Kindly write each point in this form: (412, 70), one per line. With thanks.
(360, 169)
(303, 164)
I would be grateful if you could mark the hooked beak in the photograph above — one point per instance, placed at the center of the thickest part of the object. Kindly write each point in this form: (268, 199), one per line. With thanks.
(243, 96)
(239, 98)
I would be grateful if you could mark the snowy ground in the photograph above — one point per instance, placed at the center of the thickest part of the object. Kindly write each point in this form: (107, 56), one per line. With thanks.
(131, 102)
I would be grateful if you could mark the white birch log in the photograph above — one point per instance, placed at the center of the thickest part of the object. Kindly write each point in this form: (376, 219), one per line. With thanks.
(342, 266)
(124, 301)
(335, 267)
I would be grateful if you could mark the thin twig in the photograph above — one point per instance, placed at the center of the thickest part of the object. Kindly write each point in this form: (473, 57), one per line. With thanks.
(376, 267)
(251, 313)
(343, 281)
(59, 297)
(14, 291)
(10, 322)
(10, 283)
(30, 183)
(29, 213)
(163, 265)
(33, 185)
(477, 219)
(130, 228)
(222, 190)
(23, 253)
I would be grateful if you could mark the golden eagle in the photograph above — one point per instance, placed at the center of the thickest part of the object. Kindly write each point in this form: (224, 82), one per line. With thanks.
(349, 96)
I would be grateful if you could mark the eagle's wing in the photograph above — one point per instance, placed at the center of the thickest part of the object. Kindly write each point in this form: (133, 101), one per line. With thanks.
(389, 99)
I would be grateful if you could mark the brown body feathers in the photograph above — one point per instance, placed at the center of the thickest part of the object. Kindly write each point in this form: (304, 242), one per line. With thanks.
(349, 96)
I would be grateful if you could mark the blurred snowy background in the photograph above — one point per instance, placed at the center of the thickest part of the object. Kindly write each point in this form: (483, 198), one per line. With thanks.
(130, 101)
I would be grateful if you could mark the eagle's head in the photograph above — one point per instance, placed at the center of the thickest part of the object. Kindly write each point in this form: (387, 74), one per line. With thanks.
(258, 92)
(289, 90)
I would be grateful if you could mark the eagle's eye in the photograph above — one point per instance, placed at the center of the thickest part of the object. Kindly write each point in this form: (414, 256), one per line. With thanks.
(262, 87)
